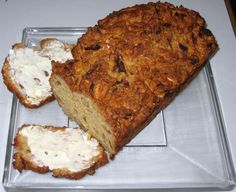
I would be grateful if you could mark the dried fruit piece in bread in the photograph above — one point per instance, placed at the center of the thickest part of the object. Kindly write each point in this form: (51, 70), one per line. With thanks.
(67, 152)
(26, 71)
(129, 67)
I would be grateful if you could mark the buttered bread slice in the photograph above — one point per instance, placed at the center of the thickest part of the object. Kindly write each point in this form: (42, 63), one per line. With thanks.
(67, 152)
(26, 71)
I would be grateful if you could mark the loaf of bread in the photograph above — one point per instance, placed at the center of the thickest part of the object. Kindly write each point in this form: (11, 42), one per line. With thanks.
(129, 67)
(26, 71)
(67, 152)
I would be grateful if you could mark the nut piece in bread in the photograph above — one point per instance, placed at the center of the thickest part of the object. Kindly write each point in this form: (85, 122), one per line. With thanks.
(67, 152)
(26, 71)
(129, 67)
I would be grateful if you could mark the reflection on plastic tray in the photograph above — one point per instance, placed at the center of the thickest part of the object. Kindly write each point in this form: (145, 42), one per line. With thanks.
(184, 147)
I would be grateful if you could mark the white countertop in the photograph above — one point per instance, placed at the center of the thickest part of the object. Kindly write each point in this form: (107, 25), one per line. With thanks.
(16, 15)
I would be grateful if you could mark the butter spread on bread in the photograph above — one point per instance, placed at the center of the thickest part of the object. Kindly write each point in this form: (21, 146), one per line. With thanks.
(26, 71)
(67, 152)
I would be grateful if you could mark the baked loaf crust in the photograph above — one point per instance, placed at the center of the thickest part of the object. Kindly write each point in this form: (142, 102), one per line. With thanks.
(28, 157)
(26, 71)
(129, 67)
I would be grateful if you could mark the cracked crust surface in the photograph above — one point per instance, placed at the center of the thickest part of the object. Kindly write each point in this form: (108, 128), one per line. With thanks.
(131, 65)
(22, 158)
(16, 88)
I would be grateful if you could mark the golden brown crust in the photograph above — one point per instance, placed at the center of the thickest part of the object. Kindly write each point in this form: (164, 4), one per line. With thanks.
(22, 159)
(135, 61)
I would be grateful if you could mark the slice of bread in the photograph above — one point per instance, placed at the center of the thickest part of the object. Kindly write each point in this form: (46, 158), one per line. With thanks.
(26, 71)
(67, 152)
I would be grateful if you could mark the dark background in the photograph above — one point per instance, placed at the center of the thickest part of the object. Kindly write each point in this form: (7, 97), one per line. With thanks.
(233, 3)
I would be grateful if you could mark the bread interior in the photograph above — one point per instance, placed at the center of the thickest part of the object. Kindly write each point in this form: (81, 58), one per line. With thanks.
(84, 111)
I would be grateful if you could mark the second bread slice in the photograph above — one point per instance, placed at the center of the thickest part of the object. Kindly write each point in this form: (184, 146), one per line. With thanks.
(26, 71)
(67, 152)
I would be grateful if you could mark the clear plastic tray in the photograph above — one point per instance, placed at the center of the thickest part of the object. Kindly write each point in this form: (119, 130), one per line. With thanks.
(185, 146)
